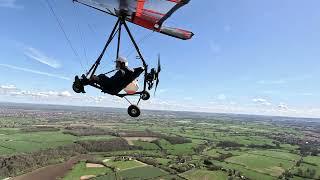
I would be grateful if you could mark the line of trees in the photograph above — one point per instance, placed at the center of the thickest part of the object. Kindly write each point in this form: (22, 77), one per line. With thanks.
(117, 144)
(87, 131)
(307, 173)
(39, 129)
(15, 164)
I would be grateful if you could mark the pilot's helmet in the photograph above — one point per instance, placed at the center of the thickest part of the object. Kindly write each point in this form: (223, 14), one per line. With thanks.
(121, 60)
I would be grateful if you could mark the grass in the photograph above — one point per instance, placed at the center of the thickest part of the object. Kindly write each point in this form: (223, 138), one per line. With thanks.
(13, 141)
(163, 161)
(204, 174)
(146, 145)
(19, 142)
(252, 174)
(262, 164)
(122, 165)
(276, 154)
(304, 167)
(245, 140)
(102, 137)
(212, 153)
(147, 172)
(180, 149)
(81, 170)
(312, 159)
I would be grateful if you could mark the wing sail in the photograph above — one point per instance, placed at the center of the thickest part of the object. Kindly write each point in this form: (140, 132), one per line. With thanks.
(150, 14)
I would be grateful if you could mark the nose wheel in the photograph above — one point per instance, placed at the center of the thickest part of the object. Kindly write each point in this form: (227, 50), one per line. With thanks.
(145, 96)
(134, 111)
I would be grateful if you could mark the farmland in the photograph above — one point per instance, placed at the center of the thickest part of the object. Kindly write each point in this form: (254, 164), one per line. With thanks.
(158, 145)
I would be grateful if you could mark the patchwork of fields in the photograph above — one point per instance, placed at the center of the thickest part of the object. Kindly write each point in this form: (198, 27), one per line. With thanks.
(201, 148)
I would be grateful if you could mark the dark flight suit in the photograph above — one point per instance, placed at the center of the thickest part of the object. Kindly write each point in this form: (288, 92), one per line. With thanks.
(117, 82)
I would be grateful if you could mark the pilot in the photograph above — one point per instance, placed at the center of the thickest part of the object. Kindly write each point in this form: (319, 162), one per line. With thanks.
(118, 81)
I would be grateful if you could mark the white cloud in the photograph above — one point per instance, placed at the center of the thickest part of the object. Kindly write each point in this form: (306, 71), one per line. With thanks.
(41, 57)
(10, 4)
(65, 94)
(104, 100)
(35, 71)
(8, 87)
(262, 101)
(43, 94)
(283, 107)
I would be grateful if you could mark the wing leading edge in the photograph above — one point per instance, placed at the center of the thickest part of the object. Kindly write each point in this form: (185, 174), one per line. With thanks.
(150, 14)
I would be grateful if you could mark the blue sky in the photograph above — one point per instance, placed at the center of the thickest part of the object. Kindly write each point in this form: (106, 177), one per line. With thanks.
(256, 57)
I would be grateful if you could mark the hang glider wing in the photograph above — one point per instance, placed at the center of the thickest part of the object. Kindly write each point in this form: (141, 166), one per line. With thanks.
(150, 14)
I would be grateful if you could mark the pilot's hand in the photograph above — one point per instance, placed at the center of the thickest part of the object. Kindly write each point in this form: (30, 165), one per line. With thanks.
(94, 78)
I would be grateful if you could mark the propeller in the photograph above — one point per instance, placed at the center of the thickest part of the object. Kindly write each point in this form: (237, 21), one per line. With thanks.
(157, 75)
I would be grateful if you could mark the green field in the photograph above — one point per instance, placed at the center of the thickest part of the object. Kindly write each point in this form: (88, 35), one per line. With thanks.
(163, 160)
(18, 142)
(312, 159)
(203, 175)
(252, 174)
(276, 154)
(122, 165)
(146, 145)
(13, 141)
(262, 164)
(221, 145)
(312, 163)
(81, 170)
(147, 172)
(180, 149)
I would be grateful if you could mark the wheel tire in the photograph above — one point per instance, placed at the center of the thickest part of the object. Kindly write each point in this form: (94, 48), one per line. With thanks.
(76, 88)
(134, 111)
(145, 95)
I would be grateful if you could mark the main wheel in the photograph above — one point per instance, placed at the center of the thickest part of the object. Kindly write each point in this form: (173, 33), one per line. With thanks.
(76, 88)
(145, 95)
(134, 111)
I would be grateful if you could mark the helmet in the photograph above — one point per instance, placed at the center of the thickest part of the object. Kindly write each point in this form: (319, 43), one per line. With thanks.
(122, 60)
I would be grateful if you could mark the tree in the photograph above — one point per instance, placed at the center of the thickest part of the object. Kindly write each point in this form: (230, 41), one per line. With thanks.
(287, 174)
(207, 162)
(312, 173)
(300, 172)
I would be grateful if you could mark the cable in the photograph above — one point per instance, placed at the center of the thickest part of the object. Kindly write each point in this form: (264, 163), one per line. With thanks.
(140, 41)
(81, 36)
(64, 32)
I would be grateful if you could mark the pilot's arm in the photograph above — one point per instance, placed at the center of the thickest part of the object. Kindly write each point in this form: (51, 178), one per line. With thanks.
(118, 76)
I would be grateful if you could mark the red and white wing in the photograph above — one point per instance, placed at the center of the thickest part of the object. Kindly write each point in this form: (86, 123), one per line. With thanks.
(150, 14)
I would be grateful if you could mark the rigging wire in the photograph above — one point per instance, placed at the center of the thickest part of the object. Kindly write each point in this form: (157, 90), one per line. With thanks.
(81, 36)
(140, 41)
(64, 32)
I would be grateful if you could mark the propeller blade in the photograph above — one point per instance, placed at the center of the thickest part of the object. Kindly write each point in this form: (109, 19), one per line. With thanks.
(155, 89)
(159, 64)
(157, 75)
